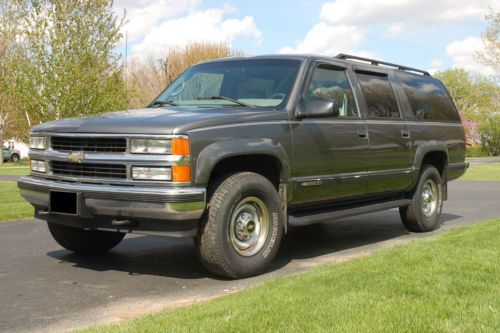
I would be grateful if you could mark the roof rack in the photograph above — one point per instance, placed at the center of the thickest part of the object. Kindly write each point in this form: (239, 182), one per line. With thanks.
(378, 62)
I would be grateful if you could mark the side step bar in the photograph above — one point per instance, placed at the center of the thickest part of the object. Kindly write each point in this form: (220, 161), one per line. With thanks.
(328, 216)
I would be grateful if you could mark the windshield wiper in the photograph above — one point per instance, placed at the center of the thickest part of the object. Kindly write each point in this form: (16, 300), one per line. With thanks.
(235, 101)
(162, 103)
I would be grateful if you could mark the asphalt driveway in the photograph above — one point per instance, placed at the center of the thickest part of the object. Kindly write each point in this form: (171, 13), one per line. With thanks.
(46, 288)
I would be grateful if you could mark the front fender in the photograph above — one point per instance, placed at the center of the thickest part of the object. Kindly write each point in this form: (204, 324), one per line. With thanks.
(218, 151)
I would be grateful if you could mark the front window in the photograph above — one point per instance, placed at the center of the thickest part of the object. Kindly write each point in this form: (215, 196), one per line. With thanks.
(264, 83)
(331, 83)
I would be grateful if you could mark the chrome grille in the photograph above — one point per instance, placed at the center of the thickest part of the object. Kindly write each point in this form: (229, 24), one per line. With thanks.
(88, 144)
(90, 170)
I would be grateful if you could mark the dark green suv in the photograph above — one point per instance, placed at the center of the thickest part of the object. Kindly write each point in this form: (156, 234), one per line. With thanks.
(235, 151)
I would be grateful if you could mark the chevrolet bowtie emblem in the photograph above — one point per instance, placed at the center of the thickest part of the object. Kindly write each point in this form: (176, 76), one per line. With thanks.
(76, 157)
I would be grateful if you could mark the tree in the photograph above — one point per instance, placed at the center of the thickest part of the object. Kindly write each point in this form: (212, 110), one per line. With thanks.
(147, 78)
(478, 99)
(69, 62)
(470, 93)
(9, 31)
(491, 54)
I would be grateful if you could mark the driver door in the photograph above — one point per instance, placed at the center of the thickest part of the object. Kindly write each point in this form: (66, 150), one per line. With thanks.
(331, 152)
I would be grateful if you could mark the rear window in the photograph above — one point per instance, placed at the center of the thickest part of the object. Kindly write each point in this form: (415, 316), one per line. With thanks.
(379, 95)
(428, 98)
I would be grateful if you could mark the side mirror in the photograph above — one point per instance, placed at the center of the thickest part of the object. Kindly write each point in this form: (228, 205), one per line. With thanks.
(320, 107)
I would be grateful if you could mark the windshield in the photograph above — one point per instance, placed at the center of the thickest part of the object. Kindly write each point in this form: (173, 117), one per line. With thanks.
(233, 83)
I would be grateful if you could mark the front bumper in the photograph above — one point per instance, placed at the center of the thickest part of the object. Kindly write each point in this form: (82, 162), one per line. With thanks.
(103, 205)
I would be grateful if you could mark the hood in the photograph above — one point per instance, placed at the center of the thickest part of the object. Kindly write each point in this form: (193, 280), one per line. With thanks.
(161, 121)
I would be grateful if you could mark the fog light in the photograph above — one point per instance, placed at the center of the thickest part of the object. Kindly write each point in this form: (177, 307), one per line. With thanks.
(151, 173)
(38, 166)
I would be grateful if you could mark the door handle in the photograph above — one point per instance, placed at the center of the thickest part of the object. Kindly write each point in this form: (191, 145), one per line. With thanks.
(362, 134)
(405, 134)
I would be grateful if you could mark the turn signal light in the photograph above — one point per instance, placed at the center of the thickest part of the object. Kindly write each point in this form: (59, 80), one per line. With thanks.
(180, 146)
(181, 173)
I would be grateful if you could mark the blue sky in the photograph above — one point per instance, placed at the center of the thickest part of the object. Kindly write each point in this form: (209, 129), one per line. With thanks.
(428, 34)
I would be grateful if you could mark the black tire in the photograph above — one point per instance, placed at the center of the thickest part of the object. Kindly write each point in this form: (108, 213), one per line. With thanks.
(416, 217)
(84, 241)
(217, 245)
(14, 158)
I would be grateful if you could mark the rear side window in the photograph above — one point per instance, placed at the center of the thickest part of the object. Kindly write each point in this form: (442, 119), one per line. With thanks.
(428, 98)
(379, 96)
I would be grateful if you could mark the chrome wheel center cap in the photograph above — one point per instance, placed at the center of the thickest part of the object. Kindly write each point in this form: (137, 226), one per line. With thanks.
(245, 226)
(249, 226)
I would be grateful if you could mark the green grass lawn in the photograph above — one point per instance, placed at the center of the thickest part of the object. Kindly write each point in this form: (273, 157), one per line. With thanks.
(14, 171)
(489, 171)
(20, 168)
(445, 283)
(23, 162)
(12, 205)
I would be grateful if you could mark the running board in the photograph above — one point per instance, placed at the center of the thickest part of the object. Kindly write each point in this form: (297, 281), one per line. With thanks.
(328, 216)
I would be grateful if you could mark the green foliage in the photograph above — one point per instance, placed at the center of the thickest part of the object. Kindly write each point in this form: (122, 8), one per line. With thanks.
(68, 65)
(471, 94)
(478, 98)
(490, 56)
(476, 151)
(10, 118)
(489, 131)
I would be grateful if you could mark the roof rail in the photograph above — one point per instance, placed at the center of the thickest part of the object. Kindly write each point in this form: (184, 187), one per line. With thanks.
(378, 62)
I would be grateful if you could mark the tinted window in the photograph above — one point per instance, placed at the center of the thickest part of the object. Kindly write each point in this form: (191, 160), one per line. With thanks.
(256, 82)
(379, 96)
(332, 84)
(428, 98)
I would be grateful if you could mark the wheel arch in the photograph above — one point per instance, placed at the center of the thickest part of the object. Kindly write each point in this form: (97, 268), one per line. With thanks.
(256, 155)
(436, 154)
(433, 152)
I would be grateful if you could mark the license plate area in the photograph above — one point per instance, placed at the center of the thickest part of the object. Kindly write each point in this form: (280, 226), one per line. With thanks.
(63, 203)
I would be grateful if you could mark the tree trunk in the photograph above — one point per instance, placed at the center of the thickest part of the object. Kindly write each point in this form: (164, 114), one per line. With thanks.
(1, 144)
(3, 127)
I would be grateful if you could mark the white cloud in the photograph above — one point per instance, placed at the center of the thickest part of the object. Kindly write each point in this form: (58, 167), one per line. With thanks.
(143, 15)
(462, 54)
(435, 65)
(390, 11)
(436, 62)
(207, 25)
(328, 40)
(394, 30)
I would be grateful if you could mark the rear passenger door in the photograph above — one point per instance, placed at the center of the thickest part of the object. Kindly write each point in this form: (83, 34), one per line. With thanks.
(388, 132)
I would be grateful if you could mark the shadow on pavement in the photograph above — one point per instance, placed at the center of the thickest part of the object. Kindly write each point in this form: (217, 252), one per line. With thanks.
(176, 257)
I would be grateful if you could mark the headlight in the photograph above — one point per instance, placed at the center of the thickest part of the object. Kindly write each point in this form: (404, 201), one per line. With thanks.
(38, 142)
(38, 166)
(150, 146)
(151, 173)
